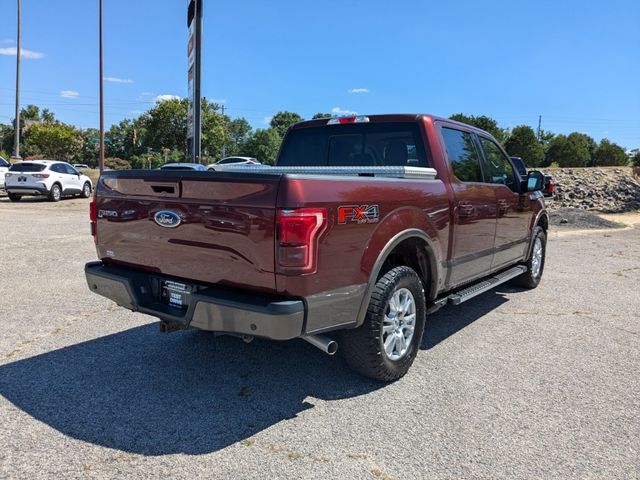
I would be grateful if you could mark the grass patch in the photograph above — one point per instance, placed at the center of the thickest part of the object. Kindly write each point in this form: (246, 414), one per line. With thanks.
(92, 173)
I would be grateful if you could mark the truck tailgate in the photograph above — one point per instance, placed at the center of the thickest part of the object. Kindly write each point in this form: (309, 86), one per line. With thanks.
(206, 227)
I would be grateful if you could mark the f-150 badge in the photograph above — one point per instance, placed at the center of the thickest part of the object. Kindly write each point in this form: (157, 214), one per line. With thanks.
(358, 214)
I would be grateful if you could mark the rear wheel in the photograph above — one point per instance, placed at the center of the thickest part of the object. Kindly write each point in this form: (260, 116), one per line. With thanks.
(535, 264)
(385, 346)
(86, 190)
(56, 193)
(14, 198)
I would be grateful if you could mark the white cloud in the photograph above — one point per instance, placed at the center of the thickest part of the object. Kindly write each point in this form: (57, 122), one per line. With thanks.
(69, 94)
(341, 111)
(164, 97)
(358, 90)
(117, 80)
(267, 120)
(24, 53)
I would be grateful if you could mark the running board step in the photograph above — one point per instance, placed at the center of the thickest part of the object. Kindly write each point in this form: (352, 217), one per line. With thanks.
(478, 288)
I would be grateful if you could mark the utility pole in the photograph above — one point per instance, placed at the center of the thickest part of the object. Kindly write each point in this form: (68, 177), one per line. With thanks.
(539, 127)
(101, 158)
(16, 129)
(194, 55)
(224, 146)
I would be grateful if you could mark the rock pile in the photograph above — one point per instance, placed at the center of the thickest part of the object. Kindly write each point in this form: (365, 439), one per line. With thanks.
(602, 189)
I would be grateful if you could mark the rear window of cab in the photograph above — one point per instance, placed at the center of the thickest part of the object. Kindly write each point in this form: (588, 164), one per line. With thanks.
(360, 144)
(27, 167)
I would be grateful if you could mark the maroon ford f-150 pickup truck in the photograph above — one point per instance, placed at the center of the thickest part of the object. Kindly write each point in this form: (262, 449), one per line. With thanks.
(364, 226)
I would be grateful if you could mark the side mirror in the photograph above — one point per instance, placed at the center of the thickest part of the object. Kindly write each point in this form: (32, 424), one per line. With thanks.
(534, 181)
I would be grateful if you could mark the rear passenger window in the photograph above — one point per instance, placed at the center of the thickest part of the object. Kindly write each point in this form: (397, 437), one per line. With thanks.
(462, 154)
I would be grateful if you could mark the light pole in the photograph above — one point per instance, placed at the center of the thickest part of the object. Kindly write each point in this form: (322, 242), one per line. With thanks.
(101, 157)
(16, 129)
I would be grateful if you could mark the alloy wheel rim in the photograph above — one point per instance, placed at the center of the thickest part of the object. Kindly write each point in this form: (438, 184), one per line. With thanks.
(398, 325)
(56, 193)
(87, 190)
(536, 259)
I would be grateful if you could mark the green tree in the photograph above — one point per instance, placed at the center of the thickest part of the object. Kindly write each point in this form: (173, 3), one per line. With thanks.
(214, 131)
(322, 115)
(483, 122)
(635, 157)
(90, 150)
(584, 141)
(568, 151)
(30, 112)
(610, 154)
(523, 143)
(263, 145)
(122, 139)
(239, 131)
(165, 125)
(56, 141)
(281, 121)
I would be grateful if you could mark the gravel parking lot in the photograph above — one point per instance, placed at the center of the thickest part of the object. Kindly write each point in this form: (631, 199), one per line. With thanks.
(513, 384)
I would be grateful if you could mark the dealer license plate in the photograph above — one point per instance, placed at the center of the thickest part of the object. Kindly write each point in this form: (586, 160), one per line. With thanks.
(176, 294)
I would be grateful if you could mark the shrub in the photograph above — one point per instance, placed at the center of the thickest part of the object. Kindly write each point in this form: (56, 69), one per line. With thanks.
(117, 164)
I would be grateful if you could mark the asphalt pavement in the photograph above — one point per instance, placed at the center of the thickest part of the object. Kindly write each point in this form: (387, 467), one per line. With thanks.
(512, 384)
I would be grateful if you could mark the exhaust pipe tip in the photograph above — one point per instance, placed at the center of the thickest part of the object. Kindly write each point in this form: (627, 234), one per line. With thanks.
(328, 346)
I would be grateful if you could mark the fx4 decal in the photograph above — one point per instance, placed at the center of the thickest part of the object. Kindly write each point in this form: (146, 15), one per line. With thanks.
(358, 214)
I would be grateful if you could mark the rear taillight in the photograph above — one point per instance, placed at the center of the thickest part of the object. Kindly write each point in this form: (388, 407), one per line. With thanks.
(551, 187)
(298, 233)
(41, 175)
(93, 218)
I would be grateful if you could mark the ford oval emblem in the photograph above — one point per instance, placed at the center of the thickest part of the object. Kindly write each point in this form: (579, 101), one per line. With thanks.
(167, 219)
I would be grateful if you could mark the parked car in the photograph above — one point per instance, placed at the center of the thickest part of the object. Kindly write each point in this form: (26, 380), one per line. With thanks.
(80, 166)
(48, 178)
(183, 166)
(4, 168)
(549, 185)
(364, 226)
(234, 161)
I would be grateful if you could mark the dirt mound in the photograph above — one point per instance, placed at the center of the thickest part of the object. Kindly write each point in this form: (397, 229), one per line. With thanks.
(579, 219)
(602, 189)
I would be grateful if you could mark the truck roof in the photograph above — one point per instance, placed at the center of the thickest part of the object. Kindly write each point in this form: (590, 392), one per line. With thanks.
(387, 118)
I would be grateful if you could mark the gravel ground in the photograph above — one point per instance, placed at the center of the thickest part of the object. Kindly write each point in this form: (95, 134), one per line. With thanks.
(512, 384)
(580, 219)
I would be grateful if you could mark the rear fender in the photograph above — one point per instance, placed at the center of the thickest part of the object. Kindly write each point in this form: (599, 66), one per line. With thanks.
(398, 226)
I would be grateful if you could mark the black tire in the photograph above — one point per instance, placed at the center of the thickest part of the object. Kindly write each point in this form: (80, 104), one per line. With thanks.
(86, 190)
(56, 193)
(363, 347)
(14, 198)
(530, 279)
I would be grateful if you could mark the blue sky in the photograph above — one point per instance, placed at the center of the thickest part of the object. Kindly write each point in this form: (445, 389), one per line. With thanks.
(576, 63)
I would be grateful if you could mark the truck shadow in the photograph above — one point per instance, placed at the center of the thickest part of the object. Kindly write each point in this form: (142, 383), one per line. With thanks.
(451, 319)
(150, 394)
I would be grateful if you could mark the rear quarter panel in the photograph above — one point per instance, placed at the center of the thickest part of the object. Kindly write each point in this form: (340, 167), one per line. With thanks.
(347, 252)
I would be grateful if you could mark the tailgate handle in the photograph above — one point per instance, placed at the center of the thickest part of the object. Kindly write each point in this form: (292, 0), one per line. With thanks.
(163, 189)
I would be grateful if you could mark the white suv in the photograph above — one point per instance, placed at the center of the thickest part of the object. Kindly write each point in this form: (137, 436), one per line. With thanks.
(4, 168)
(46, 178)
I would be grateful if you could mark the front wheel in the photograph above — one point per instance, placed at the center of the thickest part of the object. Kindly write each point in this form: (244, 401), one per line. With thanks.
(86, 190)
(385, 346)
(535, 265)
